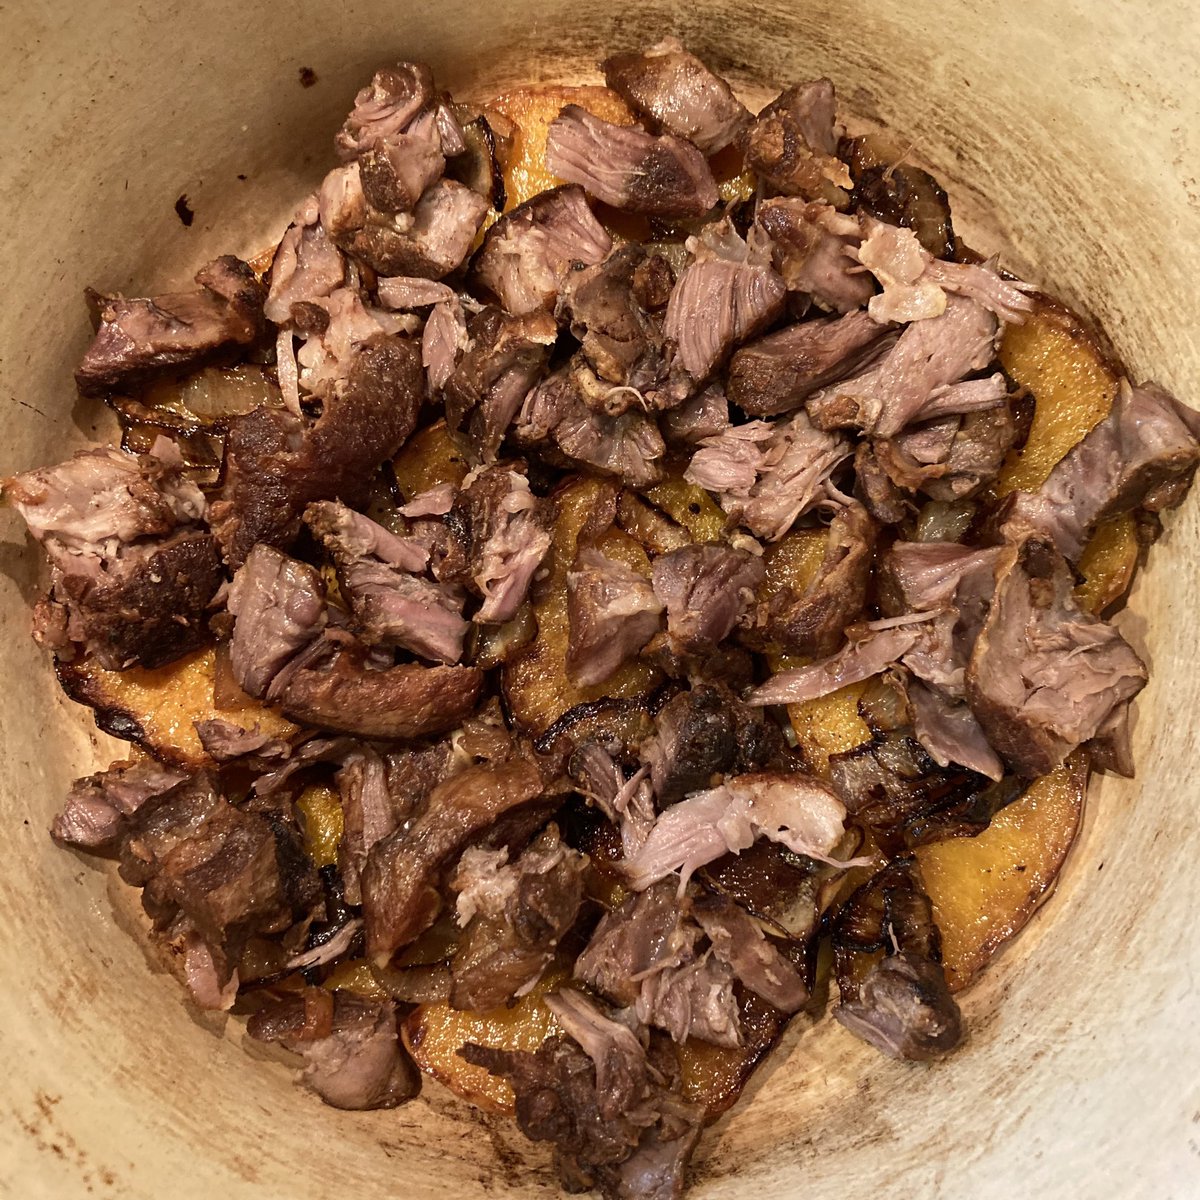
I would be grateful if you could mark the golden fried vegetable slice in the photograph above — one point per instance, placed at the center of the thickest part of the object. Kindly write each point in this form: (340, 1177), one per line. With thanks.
(1073, 384)
(690, 506)
(984, 889)
(158, 709)
(430, 457)
(531, 110)
(1108, 563)
(535, 682)
(321, 808)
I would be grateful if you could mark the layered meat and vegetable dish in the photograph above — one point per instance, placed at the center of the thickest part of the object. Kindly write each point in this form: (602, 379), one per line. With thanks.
(619, 563)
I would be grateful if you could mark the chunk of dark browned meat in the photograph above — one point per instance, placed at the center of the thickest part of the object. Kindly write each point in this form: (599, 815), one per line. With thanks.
(766, 474)
(396, 172)
(98, 807)
(276, 464)
(678, 93)
(813, 622)
(928, 356)
(613, 612)
(515, 931)
(505, 357)
(695, 738)
(353, 1057)
(385, 108)
(507, 532)
(899, 193)
(564, 420)
(728, 293)
(429, 242)
(338, 689)
(1045, 676)
(1143, 454)
(622, 342)
(888, 965)
(405, 872)
(139, 339)
(792, 145)
(876, 489)
(812, 247)
(528, 253)
(705, 588)
(951, 458)
(777, 373)
(279, 608)
(661, 176)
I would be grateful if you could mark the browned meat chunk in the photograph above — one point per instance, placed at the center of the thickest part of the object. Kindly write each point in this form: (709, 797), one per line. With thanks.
(679, 94)
(928, 356)
(276, 464)
(613, 612)
(1045, 676)
(507, 535)
(353, 1058)
(622, 165)
(792, 145)
(813, 248)
(528, 253)
(565, 421)
(696, 736)
(307, 266)
(443, 341)
(766, 475)
(395, 172)
(778, 373)
(139, 339)
(728, 293)
(706, 588)
(901, 1004)
(813, 622)
(429, 242)
(645, 955)
(386, 108)
(279, 609)
(336, 688)
(521, 912)
(484, 806)
(705, 415)
(505, 357)
(98, 807)
(1142, 455)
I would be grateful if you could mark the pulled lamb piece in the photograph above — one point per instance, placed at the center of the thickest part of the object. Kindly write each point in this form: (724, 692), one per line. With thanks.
(705, 415)
(813, 247)
(505, 357)
(1045, 676)
(529, 252)
(901, 1005)
(276, 464)
(645, 955)
(443, 342)
(507, 537)
(404, 292)
(353, 1057)
(140, 339)
(520, 916)
(679, 94)
(98, 808)
(812, 622)
(396, 172)
(624, 166)
(1142, 455)
(307, 267)
(792, 145)
(613, 612)
(566, 420)
(132, 574)
(372, 809)
(797, 810)
(615, 1121)
(385, 108)
(405, 872)
(765, 474)
(705, 589)
(778, 373)
(726, 294)
(628, 803)
(928, 356)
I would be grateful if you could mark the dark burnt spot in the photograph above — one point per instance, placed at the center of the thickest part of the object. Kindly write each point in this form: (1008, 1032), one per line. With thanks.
(243, 178)
(307, 77)
(183, 210)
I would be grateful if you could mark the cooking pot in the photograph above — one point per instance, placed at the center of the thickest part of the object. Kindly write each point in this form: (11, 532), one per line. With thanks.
(1069, 133)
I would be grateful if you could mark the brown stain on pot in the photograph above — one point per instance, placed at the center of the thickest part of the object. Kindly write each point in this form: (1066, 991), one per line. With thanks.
(44, 1127)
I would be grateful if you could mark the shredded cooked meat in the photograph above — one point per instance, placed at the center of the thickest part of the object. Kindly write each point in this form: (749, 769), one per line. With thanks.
(454, 572)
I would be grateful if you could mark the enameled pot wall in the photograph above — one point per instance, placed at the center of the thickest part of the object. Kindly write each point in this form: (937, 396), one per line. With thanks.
(1068, 132)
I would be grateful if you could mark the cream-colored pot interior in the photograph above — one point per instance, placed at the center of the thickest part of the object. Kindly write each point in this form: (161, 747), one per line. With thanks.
(1073, 129)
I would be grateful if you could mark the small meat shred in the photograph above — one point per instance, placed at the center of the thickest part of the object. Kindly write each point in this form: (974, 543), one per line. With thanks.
(705, 589)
